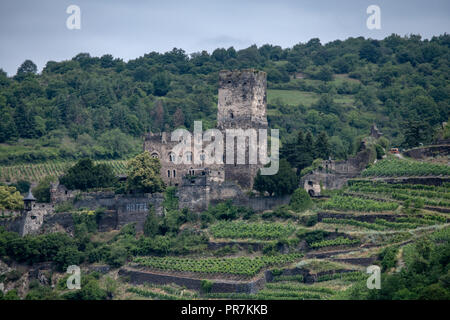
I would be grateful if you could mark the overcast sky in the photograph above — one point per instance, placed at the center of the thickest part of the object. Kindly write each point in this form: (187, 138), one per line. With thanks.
(36, 29)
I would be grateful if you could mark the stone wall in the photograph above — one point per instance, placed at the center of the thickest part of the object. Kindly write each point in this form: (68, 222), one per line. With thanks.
(428, 151)
(140, 277)
(333, 174)
(198, 197)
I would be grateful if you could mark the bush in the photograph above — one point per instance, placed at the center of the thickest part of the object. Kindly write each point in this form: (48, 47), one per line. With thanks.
(11, 295)
(67, 256)
(300, 200)
(151, 224)
(206, 286)
(85, 175)
(22, 186)
(389, 257)
(42, 190)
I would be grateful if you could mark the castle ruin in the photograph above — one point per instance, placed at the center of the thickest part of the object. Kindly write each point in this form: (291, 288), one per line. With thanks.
(242, 104)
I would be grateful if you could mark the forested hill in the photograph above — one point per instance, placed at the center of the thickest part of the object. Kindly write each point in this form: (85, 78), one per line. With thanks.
(100, 106)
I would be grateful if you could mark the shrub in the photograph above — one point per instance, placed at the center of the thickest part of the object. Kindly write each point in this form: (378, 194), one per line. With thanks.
(67, 256)
(206, 286)
(42, 190)
(300, 200)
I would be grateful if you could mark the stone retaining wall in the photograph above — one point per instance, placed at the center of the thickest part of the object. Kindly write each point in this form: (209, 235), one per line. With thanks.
(141, 277)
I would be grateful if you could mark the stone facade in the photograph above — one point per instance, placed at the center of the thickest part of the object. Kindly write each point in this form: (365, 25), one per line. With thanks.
(242, 104)
(333, 174)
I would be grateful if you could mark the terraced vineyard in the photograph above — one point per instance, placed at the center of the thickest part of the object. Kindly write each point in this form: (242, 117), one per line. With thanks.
(429, 195)
(357, 204)
(36, 172)
(238, 266)
(242, 230)
(399, 167)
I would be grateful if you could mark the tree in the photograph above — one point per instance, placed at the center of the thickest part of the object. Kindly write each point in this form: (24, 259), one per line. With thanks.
(42, 190)
(84, 175)
(151, 224)
(300, 200)
(144, 174)
(282, 183)
(321, 146)
(8, 130)
(27, 67)
(161, 84)
(300, 152)
(416, 132)
(178, 118)
(370, 52)
(10, 198)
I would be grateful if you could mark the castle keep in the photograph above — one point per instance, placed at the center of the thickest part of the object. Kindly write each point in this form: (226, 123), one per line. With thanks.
(242, 104)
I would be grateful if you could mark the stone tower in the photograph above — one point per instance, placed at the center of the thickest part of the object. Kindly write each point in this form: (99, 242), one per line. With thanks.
(242, 104)
(242, 99)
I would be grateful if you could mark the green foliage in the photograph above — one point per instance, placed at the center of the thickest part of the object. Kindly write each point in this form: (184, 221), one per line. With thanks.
(10, 198)
(144, 174)
(64, 206)
(22, 186)
(424, 276)
(11, 295)
(282, 183)
(68, 256)
(242, 230)
(388, 257)
(85, 174)
(38, 172)
(357, 204)
(41, 293)
(223, 211)
(42, 190)
(151, 224)
(64, 111)
(300, 200)
(206, 286)
(398, 167)
(334, 242)
(90, 290)
(239, 266)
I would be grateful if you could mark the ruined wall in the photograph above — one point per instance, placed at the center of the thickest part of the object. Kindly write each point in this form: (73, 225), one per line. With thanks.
(200, 194)
(333, 174)
(428, 151)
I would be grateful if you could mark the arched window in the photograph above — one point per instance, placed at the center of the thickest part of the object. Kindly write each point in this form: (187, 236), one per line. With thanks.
(189, 157)
(168, 173)
(174, 173)
(231, 115)
(172, 157)
(154, 155)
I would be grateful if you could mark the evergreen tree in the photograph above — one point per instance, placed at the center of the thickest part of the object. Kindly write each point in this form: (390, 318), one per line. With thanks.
(284, 182)
(321, 147)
